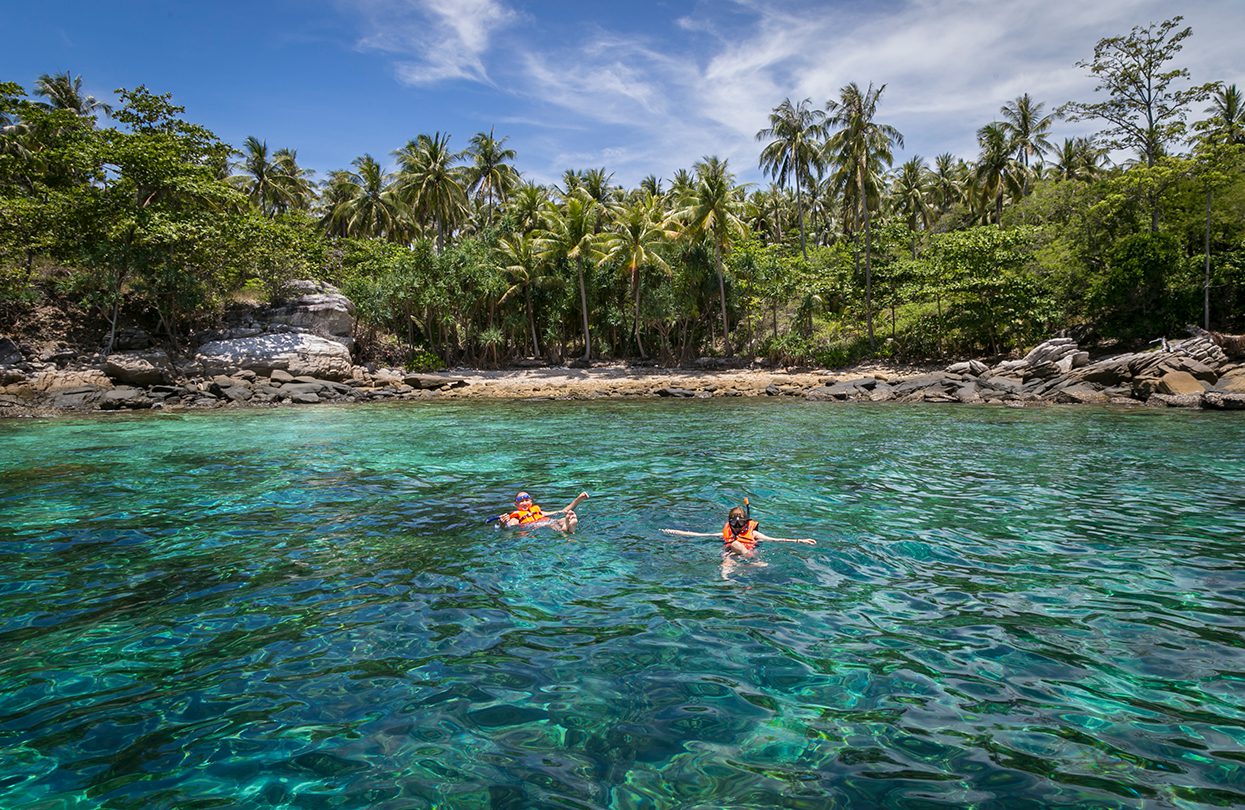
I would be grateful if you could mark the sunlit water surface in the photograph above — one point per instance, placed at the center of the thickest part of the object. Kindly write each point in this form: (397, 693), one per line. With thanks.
(305, 608)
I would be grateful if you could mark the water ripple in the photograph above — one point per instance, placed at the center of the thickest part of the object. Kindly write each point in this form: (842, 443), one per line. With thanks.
(306, 608)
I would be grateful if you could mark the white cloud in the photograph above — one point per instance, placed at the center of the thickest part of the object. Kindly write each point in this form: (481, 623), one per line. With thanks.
(434, 40)
(706, 82)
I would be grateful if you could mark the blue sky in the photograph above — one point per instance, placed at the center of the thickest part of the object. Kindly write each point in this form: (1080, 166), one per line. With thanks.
(635, 87)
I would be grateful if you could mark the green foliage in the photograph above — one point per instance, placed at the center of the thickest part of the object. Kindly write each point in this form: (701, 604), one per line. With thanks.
(1131, 298)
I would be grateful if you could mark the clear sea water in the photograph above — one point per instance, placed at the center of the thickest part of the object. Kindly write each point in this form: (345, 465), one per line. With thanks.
(305, 608)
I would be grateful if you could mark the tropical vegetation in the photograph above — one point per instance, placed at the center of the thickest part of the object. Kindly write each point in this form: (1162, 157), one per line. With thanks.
(128, 214)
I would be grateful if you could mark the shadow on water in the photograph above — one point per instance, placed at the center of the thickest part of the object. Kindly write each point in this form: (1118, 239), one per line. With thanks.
(306, 608)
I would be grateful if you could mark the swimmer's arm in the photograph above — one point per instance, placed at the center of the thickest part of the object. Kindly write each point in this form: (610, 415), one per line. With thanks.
(808, 541)
(681, 533)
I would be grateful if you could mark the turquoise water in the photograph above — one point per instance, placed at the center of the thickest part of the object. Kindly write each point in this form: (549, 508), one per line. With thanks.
(305, 608)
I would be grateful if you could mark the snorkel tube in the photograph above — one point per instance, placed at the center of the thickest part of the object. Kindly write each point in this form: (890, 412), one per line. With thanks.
(747, 508)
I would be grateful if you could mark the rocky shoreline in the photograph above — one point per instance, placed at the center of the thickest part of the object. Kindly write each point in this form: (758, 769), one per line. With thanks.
(298, 353)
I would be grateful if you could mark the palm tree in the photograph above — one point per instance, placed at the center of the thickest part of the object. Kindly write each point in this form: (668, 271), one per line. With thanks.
(1027, 129)
(364, 203)
(949, 181)
(794, 150)
(526, 206)
(521, 261)
(681, 186)
(997, 171)
(431, 185)
(712, 211)
(64, 92)
(570, 233)
(910, 196)
(1227, 121)
(860, 149)
(651, 184)
(1076, 159)
(490, 177)
(635, 237)
(257, 180)
(296, 189)
(766, 211)
(597, 183)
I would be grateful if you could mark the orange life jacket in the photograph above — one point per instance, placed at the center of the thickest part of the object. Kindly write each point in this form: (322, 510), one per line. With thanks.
(747, 536)
(532, 514)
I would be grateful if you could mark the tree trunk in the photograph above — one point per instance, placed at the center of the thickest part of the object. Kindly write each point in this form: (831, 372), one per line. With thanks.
(726, 329)
(583, 309)
(1206, 266)
(531, 320)
(799, 207)
(635, 282)
(869, 280)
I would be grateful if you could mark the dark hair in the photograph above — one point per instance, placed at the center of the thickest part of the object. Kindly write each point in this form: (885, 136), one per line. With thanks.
(738, 511)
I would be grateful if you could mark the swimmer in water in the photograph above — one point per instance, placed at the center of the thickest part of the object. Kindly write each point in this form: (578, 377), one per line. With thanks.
(740, 536)
(527, 514)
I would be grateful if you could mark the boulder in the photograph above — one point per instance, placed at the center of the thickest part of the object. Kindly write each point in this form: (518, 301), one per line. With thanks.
(1179, 383)
(1175, 401)
(10, 353)
(1189, 366)
(431, 382)
(319, 308)
(143, 368)
(971, 368)
(1233, 382)
(882, 392)
(1081, 395)
(123, 396)
(969, 393)
(293, 352)
(1220, 401)
(1051, 351)
(672, 391)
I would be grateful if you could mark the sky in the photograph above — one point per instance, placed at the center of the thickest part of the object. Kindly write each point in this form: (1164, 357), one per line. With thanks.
(638, 87)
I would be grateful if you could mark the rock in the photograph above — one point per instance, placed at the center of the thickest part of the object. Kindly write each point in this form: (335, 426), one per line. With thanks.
(672, 391)
(151, 367)
(1190, 366)
(10, 353)
(1127, 402)
(938, 379)
(1081, 395)
(1221, 401)
(295, 388)
(1007, 385)
(306, 398)
(123, 396)
(1051, 351)
(1233, 382)
(1064, 365)
(1179, 383)
(296, 353)
(316, 307)
(1175, 400)
(580, 362)
(969, 394)
(882, 392)
(279, 376)
(430, 382)
(972, 368)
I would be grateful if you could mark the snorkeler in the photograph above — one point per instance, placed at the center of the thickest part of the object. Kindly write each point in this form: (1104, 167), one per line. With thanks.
(740, 537)
(527, 514)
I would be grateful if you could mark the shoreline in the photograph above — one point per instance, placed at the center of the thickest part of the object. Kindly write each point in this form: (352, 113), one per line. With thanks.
(52, 393)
